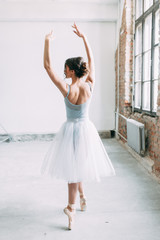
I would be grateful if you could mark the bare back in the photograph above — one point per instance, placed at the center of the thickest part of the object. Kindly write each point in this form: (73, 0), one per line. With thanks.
(79, 93)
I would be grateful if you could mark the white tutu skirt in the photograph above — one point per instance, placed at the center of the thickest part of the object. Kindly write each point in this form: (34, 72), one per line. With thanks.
(77, 154)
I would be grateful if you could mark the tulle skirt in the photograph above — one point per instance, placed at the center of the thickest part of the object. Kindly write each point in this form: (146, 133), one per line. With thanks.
(77, 154)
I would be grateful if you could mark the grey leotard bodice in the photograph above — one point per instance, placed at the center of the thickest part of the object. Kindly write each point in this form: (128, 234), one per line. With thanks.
(74, 111)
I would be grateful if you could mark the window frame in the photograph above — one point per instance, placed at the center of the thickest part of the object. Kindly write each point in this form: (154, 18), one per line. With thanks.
(141, 20)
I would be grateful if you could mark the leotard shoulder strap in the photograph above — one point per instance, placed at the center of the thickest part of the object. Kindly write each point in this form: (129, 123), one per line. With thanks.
(68, 90)
(90, 86)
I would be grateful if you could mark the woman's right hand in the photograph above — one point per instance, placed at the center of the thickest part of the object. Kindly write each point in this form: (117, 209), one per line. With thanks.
(77, 31)
(50, 36)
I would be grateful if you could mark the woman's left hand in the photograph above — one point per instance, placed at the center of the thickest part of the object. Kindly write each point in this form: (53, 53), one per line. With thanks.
(77, 31)
(50, 36)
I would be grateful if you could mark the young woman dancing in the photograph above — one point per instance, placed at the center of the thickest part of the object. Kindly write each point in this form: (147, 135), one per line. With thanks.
(76, 153)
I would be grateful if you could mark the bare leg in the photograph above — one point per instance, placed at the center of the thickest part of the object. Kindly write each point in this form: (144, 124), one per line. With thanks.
(80, 189)
(72, 193)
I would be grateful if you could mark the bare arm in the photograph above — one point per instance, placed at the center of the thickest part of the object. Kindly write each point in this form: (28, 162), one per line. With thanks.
(60, 84)
(91, 65)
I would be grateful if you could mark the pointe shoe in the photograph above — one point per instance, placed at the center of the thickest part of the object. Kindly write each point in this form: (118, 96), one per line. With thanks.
(83, 203)
(70, 214)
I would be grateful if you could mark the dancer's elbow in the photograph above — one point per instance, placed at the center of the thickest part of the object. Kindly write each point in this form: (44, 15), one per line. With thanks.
(47, 66)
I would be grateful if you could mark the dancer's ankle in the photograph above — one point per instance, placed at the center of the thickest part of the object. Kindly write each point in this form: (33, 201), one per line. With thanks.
(81, 194)
(71, 207)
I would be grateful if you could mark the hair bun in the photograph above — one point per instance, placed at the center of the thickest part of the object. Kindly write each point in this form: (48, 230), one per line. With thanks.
(78, 65)
(83, 65)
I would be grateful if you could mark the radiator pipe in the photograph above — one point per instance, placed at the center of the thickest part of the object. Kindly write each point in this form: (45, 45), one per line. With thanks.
(121, 135)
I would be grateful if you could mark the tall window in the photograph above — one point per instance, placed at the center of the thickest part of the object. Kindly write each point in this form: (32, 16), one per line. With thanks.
(146, 56)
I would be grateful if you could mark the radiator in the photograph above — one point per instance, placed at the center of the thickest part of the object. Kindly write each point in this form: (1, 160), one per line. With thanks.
(136, 136)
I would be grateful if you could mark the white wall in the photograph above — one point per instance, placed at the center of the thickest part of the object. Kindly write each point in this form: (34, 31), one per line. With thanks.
(29, 101)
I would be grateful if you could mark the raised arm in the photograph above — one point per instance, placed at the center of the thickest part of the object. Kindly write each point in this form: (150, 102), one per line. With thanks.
(91, 65)
(60, 84)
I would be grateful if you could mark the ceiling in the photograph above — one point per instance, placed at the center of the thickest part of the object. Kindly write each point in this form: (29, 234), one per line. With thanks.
(91, 1)
(67, 1)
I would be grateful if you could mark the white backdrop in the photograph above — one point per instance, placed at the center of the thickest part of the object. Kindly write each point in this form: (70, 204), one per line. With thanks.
(29, 101)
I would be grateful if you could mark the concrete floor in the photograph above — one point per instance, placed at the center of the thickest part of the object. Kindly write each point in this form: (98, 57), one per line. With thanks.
(122, 207)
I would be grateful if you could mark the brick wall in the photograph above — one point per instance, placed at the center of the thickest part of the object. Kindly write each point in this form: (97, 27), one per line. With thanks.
(152, 124)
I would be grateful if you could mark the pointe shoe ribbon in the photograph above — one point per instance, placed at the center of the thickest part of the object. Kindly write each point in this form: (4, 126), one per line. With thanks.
(83, 203)
(71, 215)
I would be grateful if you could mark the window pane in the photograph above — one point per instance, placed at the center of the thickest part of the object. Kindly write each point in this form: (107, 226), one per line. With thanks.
(146, 96)
(147, 32)
(138, 68)
(147, 4)
(138, 8)
(147, 66)
(154, 95)
(156, 63)
(139, 39)
(156, 30)
(137, 95)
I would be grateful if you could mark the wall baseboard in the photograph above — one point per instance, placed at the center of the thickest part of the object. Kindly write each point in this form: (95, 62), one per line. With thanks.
(43, 136)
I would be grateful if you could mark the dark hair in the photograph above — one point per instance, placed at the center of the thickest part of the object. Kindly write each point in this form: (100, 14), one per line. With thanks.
(78, 65)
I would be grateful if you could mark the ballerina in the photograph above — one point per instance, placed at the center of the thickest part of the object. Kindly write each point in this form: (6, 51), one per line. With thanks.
(76, 153)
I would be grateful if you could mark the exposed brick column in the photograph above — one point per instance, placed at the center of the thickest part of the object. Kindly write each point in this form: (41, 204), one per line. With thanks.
(125, 65)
